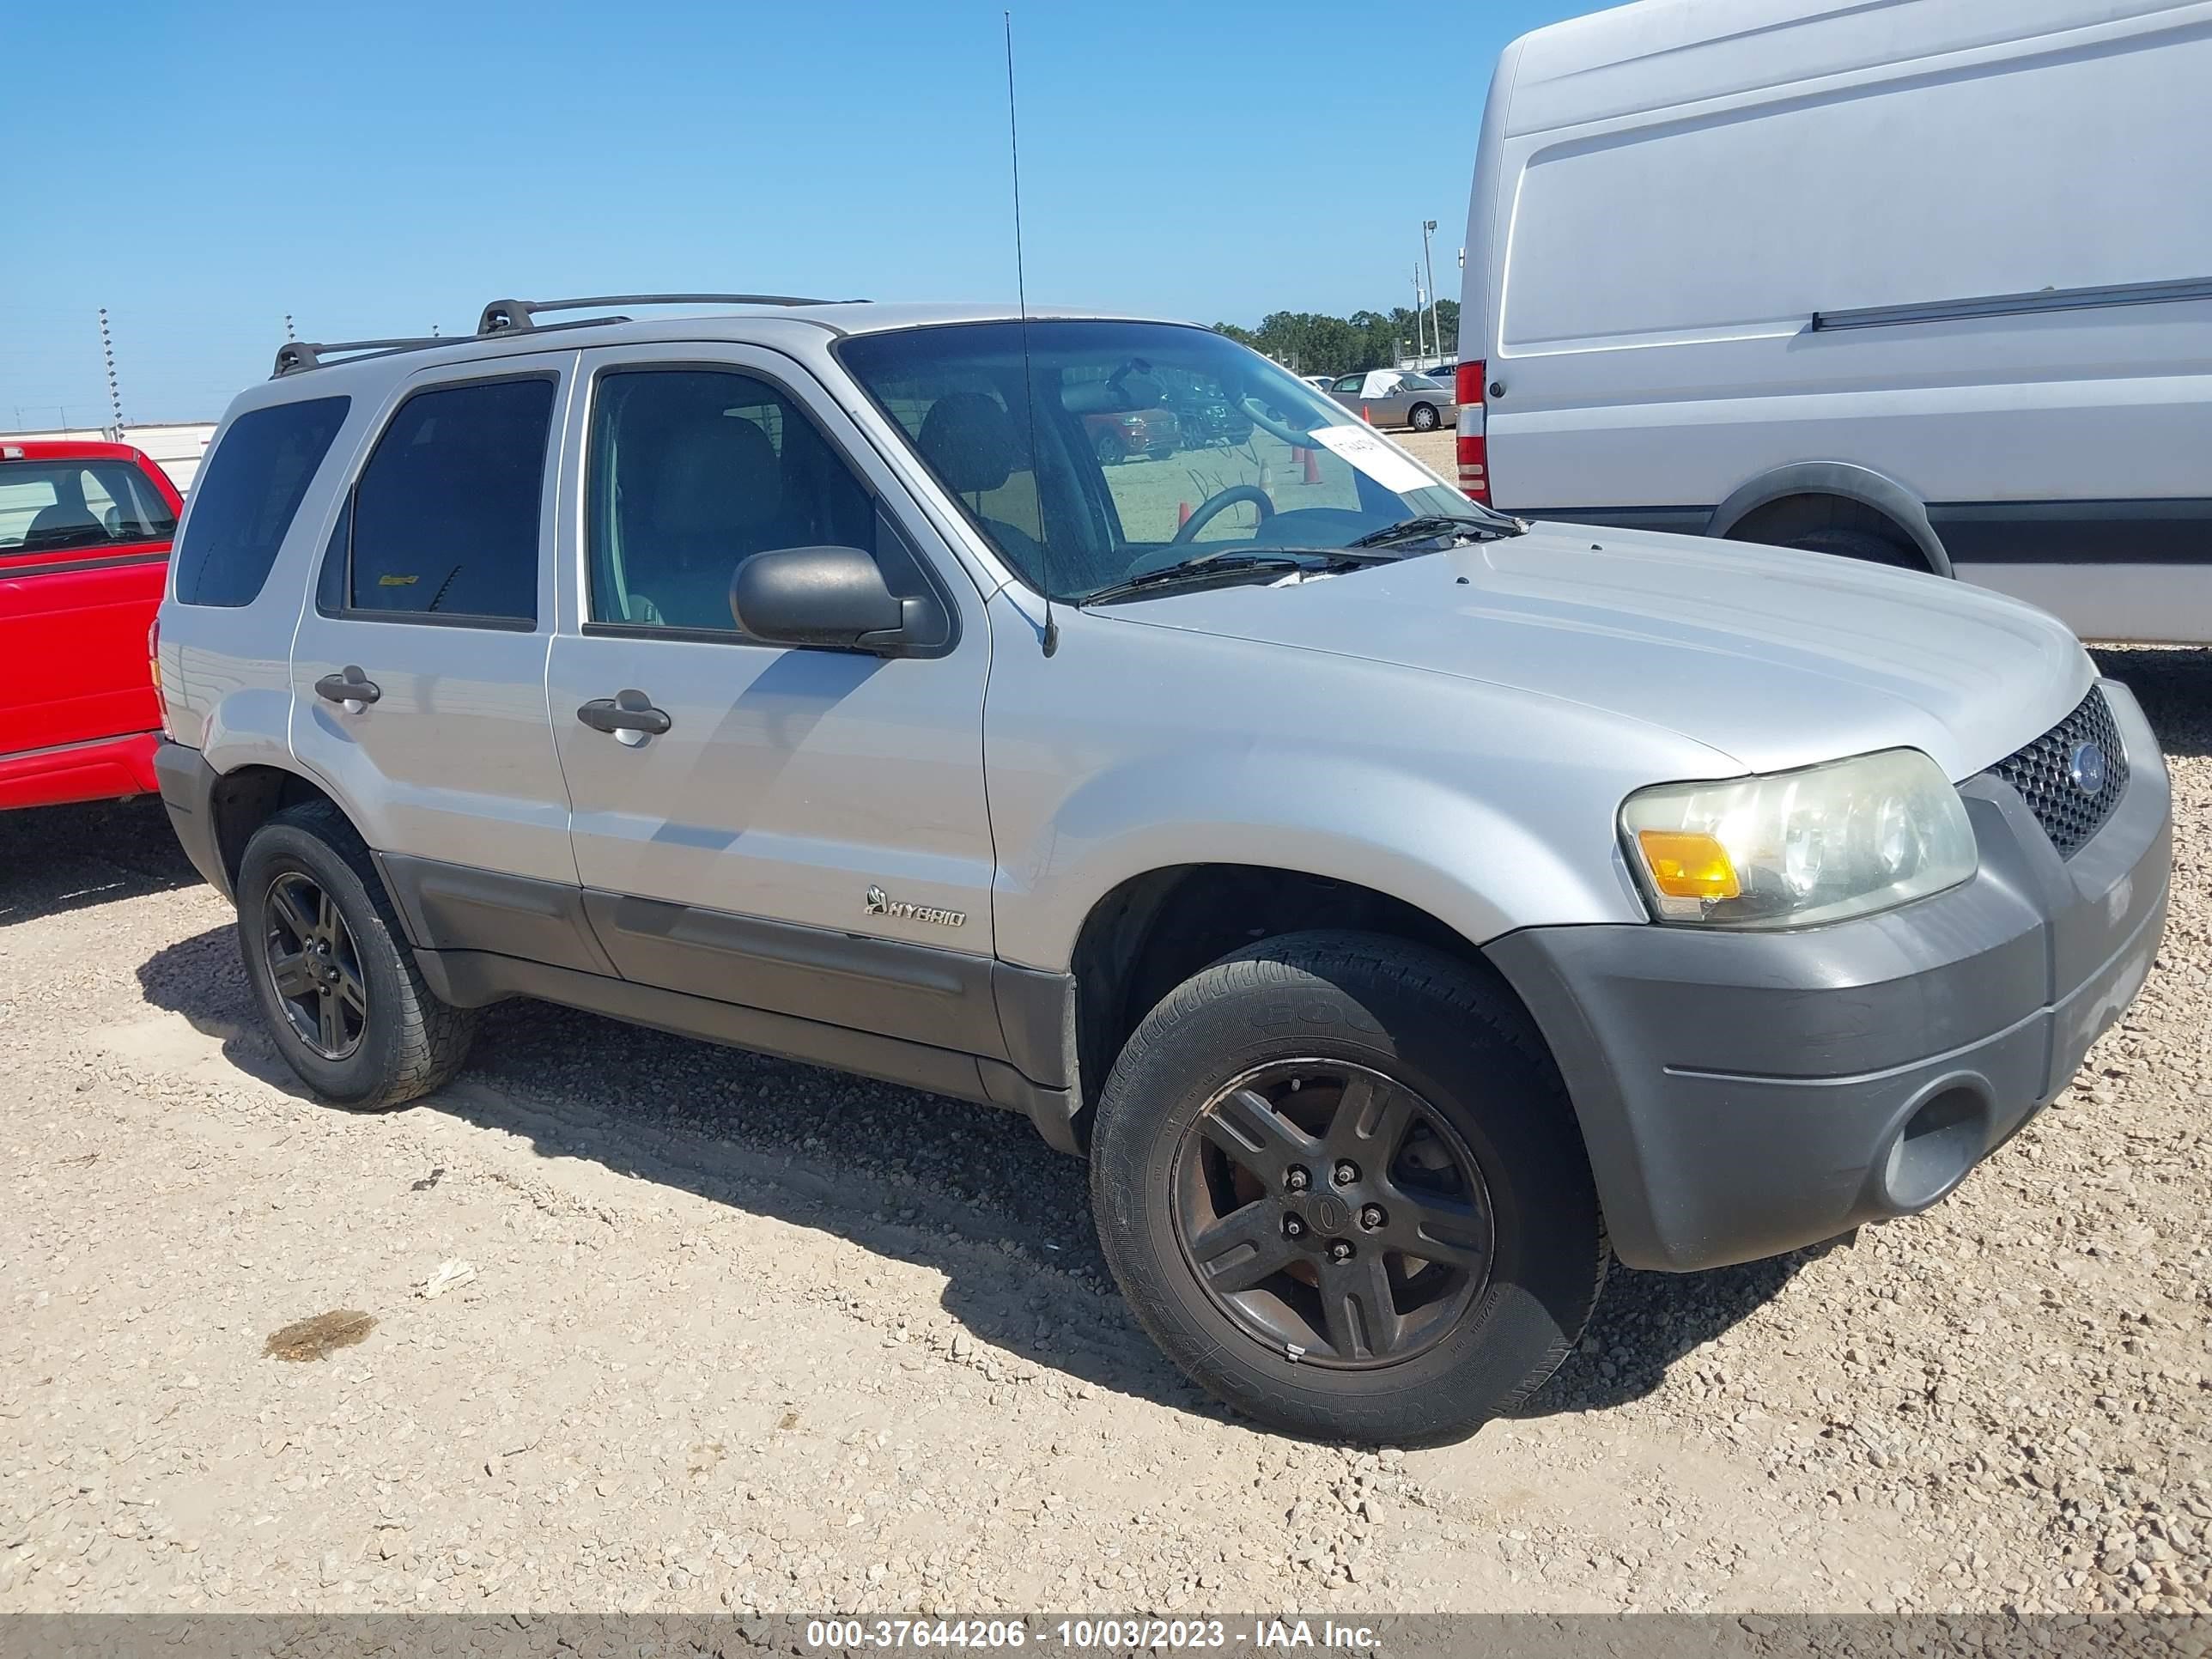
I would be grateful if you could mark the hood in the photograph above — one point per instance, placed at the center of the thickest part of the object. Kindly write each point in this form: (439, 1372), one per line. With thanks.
(1775, 657)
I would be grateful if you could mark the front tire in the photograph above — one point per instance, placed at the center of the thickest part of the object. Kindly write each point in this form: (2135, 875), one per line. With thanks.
(1423, 417)
(1338, 1180)
(331, 969)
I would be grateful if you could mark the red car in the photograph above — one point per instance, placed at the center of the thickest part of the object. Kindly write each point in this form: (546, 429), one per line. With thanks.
(84, 553)
(1123, 434)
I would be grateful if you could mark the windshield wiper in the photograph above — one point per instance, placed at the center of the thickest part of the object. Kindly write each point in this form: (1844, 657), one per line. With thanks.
(1225, 568)
(1431, 526)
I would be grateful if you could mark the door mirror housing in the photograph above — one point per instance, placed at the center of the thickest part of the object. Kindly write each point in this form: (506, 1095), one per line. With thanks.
(833, 598)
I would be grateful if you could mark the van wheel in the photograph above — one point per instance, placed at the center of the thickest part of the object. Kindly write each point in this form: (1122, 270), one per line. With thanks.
(1338, 1180)
(331, 969)
(1423, 418)
(1863, 545)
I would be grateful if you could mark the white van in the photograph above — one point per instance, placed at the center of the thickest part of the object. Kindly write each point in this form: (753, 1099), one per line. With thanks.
(1927, 281)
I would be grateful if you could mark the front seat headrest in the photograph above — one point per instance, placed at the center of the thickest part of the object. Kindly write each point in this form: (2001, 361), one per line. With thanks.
(969, 441)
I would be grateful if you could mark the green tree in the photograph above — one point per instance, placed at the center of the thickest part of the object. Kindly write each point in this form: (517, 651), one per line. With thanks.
(1314, 343)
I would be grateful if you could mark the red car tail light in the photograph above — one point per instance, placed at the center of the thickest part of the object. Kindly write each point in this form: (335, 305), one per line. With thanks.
(1474, 439)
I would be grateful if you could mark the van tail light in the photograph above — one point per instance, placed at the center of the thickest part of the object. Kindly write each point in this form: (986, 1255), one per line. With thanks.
(1474, 439)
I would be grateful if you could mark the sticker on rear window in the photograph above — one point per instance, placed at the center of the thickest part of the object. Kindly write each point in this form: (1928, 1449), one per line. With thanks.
(1374, 456)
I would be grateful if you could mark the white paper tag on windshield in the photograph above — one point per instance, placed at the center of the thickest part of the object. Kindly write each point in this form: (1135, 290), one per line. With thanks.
(1377, 459)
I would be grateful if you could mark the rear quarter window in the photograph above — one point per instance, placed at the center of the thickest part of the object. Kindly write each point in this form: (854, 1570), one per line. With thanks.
(245, 497)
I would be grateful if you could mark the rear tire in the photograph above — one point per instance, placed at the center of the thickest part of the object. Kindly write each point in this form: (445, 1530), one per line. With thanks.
(1527, 1244)
(1109, 450)
(391, 1039)
(1422, 417)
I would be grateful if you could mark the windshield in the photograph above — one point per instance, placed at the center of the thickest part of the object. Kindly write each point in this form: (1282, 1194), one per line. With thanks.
(53, 506)
(1155, 443)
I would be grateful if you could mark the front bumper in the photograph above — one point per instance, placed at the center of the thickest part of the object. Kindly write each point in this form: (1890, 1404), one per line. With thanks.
(1743, 1094)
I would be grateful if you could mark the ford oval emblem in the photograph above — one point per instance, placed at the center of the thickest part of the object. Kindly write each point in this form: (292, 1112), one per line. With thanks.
(2087, 767)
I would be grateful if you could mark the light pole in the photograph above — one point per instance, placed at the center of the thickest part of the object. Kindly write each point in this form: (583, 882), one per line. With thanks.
(1418, 350)
(1428, 257)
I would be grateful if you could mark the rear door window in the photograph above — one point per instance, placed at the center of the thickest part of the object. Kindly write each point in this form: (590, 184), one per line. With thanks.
(444, 521)
(246, 496)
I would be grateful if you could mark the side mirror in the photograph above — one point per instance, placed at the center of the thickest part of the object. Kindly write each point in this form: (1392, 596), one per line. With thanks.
(832, 597)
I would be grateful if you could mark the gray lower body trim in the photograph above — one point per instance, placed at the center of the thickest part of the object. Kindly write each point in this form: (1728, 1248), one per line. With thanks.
(188, 793)
(952, 1023)
(2167, 531)
(1674, 520)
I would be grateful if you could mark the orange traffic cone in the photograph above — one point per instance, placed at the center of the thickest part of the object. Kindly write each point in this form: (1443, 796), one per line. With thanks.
(1365, 416)
(1309, 460)
(1182, 514)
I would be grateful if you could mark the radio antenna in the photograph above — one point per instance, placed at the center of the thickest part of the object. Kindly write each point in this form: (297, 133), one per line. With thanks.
(1051, 641)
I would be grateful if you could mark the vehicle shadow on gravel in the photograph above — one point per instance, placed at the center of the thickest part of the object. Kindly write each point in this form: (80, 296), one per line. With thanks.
(1647, 1321)
(58, 858)
(2174, 687)
(964, 1190)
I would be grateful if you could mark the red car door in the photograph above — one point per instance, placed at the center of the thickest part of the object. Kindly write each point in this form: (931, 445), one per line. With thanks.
(84, 549)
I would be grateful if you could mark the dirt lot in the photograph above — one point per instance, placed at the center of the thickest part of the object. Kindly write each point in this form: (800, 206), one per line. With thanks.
(743, 1334)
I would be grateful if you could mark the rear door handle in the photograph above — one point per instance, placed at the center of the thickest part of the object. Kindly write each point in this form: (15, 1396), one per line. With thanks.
(624, 712)
(349, 685)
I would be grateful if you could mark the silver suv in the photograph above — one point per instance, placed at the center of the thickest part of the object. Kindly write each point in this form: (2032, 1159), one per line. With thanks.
(1407, 909)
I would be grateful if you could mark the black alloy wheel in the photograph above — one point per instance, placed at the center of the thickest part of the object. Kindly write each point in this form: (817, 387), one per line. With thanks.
(1332, 1213)
(315, 966)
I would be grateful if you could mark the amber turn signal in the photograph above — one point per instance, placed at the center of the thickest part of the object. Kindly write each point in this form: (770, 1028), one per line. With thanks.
(1687, 865)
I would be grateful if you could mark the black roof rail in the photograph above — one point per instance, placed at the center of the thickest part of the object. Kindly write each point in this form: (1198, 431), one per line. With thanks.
(512, 316)
(296, 355)
(515, 317)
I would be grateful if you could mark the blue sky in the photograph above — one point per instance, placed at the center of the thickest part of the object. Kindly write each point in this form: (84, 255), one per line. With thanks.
(202, 170)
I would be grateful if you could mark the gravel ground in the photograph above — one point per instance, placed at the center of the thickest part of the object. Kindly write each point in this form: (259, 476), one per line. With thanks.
(738, 1333)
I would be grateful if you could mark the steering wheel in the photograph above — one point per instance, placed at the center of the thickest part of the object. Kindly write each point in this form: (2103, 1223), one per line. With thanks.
(1212, 505)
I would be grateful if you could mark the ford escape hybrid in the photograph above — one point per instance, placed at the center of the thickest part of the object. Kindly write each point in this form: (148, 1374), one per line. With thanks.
(1405, 908)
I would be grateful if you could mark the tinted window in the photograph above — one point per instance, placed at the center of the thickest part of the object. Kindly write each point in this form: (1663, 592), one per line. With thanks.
(245, 496)
(446, 513)
(692, 472)
(1417, 383)
(49, 506)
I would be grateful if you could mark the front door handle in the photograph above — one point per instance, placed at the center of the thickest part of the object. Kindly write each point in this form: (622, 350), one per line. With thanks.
(625, 712)
(349, 685)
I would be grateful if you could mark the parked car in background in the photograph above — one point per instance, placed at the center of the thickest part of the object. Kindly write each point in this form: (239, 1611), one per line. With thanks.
(1206, 419)
(2011, 384)
(1395, 397)
(1134, 435)
(84, 546)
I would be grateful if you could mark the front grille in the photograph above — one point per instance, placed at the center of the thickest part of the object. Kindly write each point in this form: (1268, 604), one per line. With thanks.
(2044, 774)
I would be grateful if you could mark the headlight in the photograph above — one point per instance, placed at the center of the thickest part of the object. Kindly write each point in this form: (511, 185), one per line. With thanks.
(1797, 848)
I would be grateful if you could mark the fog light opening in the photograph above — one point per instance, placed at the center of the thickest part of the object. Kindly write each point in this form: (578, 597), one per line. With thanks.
(1937, 1146)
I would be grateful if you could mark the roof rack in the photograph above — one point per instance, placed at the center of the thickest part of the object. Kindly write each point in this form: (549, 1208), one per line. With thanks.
(513, 317)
